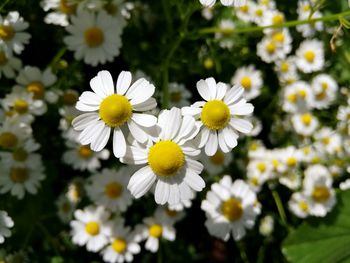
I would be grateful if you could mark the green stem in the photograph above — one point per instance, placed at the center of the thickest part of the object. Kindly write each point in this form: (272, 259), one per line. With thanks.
(57, 57)
(293, 23)
(242, 252)
(49, 237)
(3, 4)
(279, 205)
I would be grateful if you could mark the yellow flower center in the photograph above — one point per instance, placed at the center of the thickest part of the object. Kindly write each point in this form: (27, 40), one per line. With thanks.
(261, 167)
(284, 67)
(6, 32)
(175, 97)
(321, 96)
(310, 56)
(302, 93)
(306, 8)
(218, 158)
(215, 115)
(254, 181)
(8, 140)
(69, 98)
(85, 152)
(275, 163)
(303, 206)
(278, 37)
(113, 190)
(94, 37)
(166, 158)
(19, 155)
(67, 7)
(291, 161)
(246, 82)
(306, 119)
(155, 230)
(3, 58)
(37, 88)
(259, 12)
(18, 174)
(21, 106)
(115, 110)
(92, 228)
(277, 19)
(324, 86)
(326, 140)
(321, 194)
(119, 245)
(270, 47)
(232, 209)
(244, 8)
(171, 213)
(306, 150)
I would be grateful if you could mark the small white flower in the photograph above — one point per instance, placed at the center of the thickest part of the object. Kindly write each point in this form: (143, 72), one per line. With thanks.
(299, 205)
(225, 38)
(211, 3)
(65, 208)
(325, 91)
(250, 79)
(179, 95)
(6, 223)
(9, 65)
(298, 97)
(215, 164)
(266, 225)
(13, 133)
(60, 11)
(310, 56)
(305, 124)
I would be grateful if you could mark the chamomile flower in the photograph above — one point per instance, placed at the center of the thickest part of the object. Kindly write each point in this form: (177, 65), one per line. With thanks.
(169, 160)
(325, 90)
(122, 246)
(115, 110)
(179, 95)
(266, 226)
(60, 11)
(290, 179)
(215, 164)
(299, 205)
(243, 12)
(74, 191)
(250, 79)
(89, 228)
(310, 56)
(171, 215)
(273, 17)
(23, 153)
(95, 37)
(9, 65)
(6, 223)
(12, 36)
(328, 141)
(317, 186)
(298, 97)
(13, 133)
(305, 124)
(258, 12)
(218, 115)
(269, 50)
(108, 189)
(261, 169)
(229, 207)
(211, 3)
(305, 12)
(224, 38)
(19, 179)
(65, 208)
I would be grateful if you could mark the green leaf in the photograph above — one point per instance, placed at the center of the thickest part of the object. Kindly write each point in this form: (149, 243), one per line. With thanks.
(325, 240)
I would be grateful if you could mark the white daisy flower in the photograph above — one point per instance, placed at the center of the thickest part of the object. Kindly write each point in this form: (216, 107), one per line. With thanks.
(229, 207)
(261, 169)
(211, 3)
(23, 153)
(343, 114)
(225, 37)
(258, 12)
(13, 133)
(299, 205)
(19, 103)
(250, 79)
(123, 245)
(269, 50)
(244, 11)
(317, 186)
(90, 228)
(325, 90)
(152, 229)
(208, 13)
(270, 4)
(305, 11)
(298, 97)
(6, 223)
(310, 56)
(327, 140)
(179, 95)
(65, 208)
(115, 109)
(9, 65)
(108, 189)
(217, 115)
(305, 124)
(290, 179)
(18, 179)
(273, 17)
(74, 191)
(285, 66)
(61, 10)
(169, 160)
(282, 40)
(171, 215)
(11, 32)
(215, 164)
(266, 226)
(95, 37)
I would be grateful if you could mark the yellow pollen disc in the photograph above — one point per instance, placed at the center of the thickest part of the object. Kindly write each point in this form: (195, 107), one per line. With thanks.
(259, 12)
(3, 58)
(306, 119)
(321, 96)
(290, 81)
(315, 160)
(309, 56)
(85, 152)
(265, 2)
(18, 175)
(291, 161)
(326, 140)
(306, 8)
(303, 206)
(75, 193)
(166, 158)
(292, 98)
(275, 163)
(218, 158)
(119, 245)
(270, 47)
(69, 98)
(321, 194)
(66, 207)
(92, 228)
(244, 8)
(307, 150)
(171, 213)
(175, 97)
(278, 37)
(254, 181)
(215, 115)
(284, 67)
(21, 106)
(8, 140)
(246, 82)
(324, 86)
(19, 155)
(6, 32)
(94, 37)
(277, 19)
(37, 88)
(115, 110)
(113, 190)
(66, 7)
(253, 147)
(232, 209)
(302, 94)
(155, 230)
(261, 167)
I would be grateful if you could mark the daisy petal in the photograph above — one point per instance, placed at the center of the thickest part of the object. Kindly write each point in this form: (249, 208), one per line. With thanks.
(141, 181)
(162, 192)
(230, 137)
(173, 122)
(222, 143)
(212, 143)
(241, 125)
(233, 94)
(244, 109)
(145, 120)
(212, 87)
(102, 84)
(147, 105)
(143, 95)
(101, 139)
(89, 133)
(90, 98)
(82, 121)
(136, 131)
(194, 180)
(203, 90)
(86, 107)
(221, 90)
(123, 82)
(119, 144)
